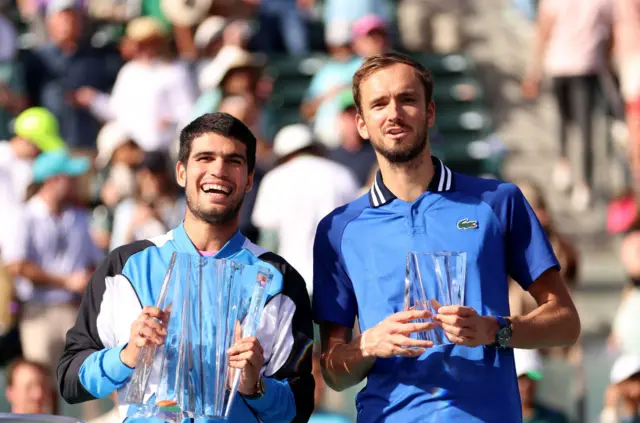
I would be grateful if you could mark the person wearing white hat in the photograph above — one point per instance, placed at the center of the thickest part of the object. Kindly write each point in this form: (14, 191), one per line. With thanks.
(321, 103)
(208, 36)
(624, 389)
(529, 372)
(296, 194)
(152, 95)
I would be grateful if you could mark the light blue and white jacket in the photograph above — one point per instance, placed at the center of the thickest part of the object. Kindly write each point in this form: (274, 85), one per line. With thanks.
(131, 278)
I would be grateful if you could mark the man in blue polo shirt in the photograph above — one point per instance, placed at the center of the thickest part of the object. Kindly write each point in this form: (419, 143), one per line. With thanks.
(418, 204)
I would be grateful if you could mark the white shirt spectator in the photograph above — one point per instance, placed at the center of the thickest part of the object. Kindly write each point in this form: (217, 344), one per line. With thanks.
(15, 176)
(150, 101)
(60, 245)
(294, 197)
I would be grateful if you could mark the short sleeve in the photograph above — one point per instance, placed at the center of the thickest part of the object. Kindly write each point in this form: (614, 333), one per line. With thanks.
(529, 252)
(333, 296)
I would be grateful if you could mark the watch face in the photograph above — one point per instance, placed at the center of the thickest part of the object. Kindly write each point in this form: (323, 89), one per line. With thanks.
(504, 336)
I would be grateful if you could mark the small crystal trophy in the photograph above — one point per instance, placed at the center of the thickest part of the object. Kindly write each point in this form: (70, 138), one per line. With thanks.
(208, 301)
(434, 280)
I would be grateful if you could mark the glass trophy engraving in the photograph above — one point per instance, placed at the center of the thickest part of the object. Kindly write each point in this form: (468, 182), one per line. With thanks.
(211, 302)
(433, 280)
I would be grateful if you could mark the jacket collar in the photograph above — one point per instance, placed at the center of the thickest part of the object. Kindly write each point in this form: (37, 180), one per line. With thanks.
(184, 244)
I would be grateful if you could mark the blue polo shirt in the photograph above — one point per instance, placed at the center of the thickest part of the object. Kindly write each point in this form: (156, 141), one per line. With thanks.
(359, 269)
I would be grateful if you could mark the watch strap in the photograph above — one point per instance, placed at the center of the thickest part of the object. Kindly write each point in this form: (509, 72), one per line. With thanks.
(260, 390)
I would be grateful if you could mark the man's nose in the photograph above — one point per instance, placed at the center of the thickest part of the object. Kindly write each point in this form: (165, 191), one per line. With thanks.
(217, 167)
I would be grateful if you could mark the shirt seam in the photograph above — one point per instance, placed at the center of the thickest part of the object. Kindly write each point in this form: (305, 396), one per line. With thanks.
(340, 255)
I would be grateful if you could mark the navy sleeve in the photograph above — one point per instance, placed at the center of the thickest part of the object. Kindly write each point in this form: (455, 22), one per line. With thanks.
(333, 296)
(529, 252)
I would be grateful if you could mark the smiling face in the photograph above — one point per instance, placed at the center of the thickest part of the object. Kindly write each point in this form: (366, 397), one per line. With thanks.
(394, 113)
(215, 178)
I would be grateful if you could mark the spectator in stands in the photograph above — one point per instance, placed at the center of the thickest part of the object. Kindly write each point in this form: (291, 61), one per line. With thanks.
(118, 157)
(351, 11)
(622, 399)
(529, 372)
(52, 256)
(354, 152)
(370, 36)
(521, 302)
(13, 98)
(321, 104)
(55, 71)
(234, 71)
(153, 94)
(156, 207)
(29, 389)
(208, 40)
(282, 19)
(627, 52)
(570, 46)
(36, 130)
(245, 109)
(295, 195)
(625, 335)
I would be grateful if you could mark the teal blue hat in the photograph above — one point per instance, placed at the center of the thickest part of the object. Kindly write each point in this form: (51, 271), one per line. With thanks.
(48, 165)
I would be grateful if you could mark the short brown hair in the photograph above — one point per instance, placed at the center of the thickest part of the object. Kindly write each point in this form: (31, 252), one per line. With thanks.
(13, 366)
(376, 62)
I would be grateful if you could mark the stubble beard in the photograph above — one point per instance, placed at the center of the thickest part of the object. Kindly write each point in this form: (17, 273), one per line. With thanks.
(402, 156)
(214, 217)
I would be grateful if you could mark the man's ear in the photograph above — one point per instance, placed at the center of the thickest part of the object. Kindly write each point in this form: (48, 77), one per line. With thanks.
(250, 182)
(181, 174)
(8, 393)
(362, 127)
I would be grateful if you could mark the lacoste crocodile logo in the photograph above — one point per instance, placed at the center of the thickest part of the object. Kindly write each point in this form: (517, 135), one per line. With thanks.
(467, 224)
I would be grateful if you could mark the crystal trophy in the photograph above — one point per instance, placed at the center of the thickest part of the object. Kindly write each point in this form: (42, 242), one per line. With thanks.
(211, 302)
(433, 280)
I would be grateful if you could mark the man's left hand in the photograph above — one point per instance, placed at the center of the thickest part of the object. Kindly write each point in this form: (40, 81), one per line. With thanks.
(464, 326)
(247, 355)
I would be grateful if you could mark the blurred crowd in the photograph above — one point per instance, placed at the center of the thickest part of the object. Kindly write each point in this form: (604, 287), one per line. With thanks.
(93, 94)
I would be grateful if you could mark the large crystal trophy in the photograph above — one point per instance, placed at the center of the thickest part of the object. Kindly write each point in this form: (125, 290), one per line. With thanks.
(210, 303)
(433, 280)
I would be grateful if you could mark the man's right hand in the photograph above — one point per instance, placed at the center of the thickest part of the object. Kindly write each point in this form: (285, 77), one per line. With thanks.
(148, 329)
(391, 337)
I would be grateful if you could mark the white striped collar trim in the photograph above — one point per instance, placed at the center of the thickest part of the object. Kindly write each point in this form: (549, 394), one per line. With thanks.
(442, 181)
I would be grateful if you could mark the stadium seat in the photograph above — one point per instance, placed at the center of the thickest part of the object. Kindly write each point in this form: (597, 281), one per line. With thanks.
(445, 64)
(285, 66)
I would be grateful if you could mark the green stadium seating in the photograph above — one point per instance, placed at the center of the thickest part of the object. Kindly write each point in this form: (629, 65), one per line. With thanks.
(445, 64)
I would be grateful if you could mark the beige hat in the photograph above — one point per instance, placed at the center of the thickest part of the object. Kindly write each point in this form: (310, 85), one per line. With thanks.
(144, 28)
(292, 138)
(229, 57)
(111, 136)
(186, 13)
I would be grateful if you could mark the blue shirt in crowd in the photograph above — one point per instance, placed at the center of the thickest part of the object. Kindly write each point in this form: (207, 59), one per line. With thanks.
(359, 270)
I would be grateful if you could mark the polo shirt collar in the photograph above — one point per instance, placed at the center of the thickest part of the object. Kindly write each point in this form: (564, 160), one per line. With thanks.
(442, 181)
